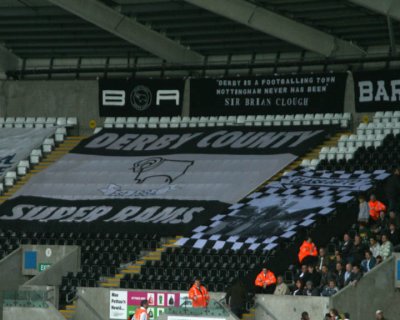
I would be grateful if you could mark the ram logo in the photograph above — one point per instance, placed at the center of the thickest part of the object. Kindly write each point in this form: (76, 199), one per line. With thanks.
(158, 168)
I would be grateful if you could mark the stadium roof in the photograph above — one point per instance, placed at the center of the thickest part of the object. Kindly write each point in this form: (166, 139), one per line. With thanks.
(188, 31)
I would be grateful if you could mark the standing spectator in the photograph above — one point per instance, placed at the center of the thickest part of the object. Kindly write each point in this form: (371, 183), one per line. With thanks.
(236, 297)
(199, 295)
(392, 190)
(363, 212)
(281, 287)
(265, 281)
(357, 251)
(299, 288)
(308, 252)
(305, 316)
(347, 273)
(375, 247)
(355, 276)
(394, 218)
(393, 235)
(330, 290)
(386, 247)
(375, 207)
(310, 290)
(346, 247)
(322, 259)
(369, 262)
(339, 272)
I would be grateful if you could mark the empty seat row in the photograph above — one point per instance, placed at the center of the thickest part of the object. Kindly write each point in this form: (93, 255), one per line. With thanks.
(39, 122)
(379, 128)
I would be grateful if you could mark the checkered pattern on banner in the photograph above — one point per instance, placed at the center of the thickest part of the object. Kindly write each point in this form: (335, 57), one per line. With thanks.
(280, 209)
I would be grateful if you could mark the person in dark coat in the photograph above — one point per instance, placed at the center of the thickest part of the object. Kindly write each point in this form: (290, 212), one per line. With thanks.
(313, 276)
(346, 247)
(236, 297)
(358, 250)
(392, 190)
(339, 273)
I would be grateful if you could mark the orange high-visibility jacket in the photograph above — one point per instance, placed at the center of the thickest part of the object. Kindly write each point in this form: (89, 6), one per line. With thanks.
(307, 249)
(263, 278)
(199, 296)
(375, 207)
(139, 312)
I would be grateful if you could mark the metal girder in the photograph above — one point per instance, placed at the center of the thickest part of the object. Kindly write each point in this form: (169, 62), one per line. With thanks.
(280, 27)
(130, 30)
(8, 60)
(389, 8)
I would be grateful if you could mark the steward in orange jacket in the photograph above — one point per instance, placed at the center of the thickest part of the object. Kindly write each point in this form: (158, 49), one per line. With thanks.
(375, 207)
(307, 249)
(141, 312)
(199, 295)
(265, 278)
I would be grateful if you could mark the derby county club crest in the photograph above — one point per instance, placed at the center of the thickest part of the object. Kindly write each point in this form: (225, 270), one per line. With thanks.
(141, 98)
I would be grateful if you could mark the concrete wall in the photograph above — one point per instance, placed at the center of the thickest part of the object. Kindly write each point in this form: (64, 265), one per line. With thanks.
(75, 98)
(270, 307)
(375, 291)
(14, 313)
(11, 276)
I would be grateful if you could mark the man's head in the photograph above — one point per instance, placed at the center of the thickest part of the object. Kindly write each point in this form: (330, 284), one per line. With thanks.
(305, 316)
(346, 237)
(322, 252)
(382, 215)
(311, 268)
(324, 269)
(309, 240)
(144, 303)
(368, 254)
(339, 266)
(356, 269)
(197, 282)
(379, 315)
(265, 270)
(384, 238)
(361, 198)
(357, 240)
(309, 285)
(279, 279)
(392, 227)
(379, 259)
(372, 242)
(332, 284)
(372, 198)
(303, 268)
(392, 215)
(349, 267)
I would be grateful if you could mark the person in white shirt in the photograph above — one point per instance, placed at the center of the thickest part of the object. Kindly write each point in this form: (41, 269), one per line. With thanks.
(375, 247)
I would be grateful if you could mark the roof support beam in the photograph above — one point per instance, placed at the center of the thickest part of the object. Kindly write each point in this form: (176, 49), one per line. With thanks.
(130, 30)
(280, 27)
(389, 8)
(8, 60)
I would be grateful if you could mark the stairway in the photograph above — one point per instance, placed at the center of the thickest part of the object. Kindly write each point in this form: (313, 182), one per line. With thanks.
(135, 267)
(61, 150)
(251, 315)
(69, 311)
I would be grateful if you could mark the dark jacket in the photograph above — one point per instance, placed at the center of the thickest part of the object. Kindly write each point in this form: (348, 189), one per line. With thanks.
(340, 279)
(358, 253)
(346, 248)
(394, 237)
(313, 292)
(236, 295)
(354, 277)
(365, 264)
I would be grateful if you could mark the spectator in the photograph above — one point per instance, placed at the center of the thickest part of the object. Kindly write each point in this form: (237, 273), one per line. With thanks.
(346, 247)
(325, 277)
(357, 251)
(308, 252)
(363, 212)
(386, 247)
(199, 295)
(265, 281)
(310, 290)
(303, 272)
(236, 297)
(334, 314)
(339, 272)
(281, 287)
(322, 259)
(375, 207)
(394, 218)
(375, 247)
(364, 233)
(369, 262)
(337, 259)
(141, 313)
(379, 260)
(347, 274)
(392, 190)
(393, 235)
(355, 276)
(299, 288)
(330, 290)
(313, 276)
(379, 315)
(381, 225)
(305, 316)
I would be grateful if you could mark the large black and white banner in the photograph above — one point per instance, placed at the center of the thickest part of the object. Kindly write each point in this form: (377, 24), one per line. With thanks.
(280, 209)
(165, 180)
(286, 94)
(377, 90)
(17, 143)
(140, 97)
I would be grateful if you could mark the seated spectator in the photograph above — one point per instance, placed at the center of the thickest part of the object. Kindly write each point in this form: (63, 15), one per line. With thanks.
(308, 252)
(337, 259)
(322, 259)
(303, 273)
(378, 260)
(355, 276)
(330, 289)
(265, 281)
(369, 262)
(394, 218)
(357, 251)
(339, 273)
(299, 288)
(381, 225)
(365, 233)
(386, 247)
(281, 287)
(325, 277)
(310, 290)
(347, 273)
(375, 207)
(375, 247)
(313, 276)
(393, 235)
(346, 247)
(363, 211)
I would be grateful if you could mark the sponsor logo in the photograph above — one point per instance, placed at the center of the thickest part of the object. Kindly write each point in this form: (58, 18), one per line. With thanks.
(141, 98)
(378, 91)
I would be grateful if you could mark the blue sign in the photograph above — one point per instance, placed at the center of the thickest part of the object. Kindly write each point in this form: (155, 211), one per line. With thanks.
(30, 260)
